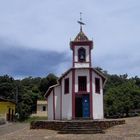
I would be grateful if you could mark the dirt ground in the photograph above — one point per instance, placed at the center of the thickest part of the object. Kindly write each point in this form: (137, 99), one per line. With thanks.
(128, 131)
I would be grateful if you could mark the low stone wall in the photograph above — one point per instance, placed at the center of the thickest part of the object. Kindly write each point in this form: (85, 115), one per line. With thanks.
(58, 125)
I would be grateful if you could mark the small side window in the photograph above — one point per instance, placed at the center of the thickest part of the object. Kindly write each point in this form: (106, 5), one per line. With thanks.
(97, 85)
(44, 108)
(66, 86)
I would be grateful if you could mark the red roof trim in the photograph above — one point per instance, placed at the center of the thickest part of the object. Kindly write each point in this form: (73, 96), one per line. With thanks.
(48, 92)
(79, 43)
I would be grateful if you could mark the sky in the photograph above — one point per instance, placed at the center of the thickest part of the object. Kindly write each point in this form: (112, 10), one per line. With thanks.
(35, 35)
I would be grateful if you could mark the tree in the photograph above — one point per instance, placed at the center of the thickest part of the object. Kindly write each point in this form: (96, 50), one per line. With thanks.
(7, 87)
(46, 82)
(121, 96)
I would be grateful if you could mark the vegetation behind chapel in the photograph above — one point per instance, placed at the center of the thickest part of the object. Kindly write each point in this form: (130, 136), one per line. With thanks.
(121, 94)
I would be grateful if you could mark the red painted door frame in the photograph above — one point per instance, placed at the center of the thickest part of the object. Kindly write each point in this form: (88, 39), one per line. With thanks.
(73, 94)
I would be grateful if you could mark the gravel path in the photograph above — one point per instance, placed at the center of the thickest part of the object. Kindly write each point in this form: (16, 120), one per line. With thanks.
(128, 131)
(11, 128)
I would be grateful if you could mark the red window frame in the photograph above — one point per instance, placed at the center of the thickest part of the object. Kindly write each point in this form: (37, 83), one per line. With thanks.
(82, 83)
(66, 86)
(97, 85)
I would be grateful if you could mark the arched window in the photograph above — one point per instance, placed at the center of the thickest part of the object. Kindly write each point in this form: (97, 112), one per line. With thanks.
(82, 55)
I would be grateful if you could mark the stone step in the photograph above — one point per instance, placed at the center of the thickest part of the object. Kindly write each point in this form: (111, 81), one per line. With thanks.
(70, 129)
(83, 131)
(80, 124)
(80, 127)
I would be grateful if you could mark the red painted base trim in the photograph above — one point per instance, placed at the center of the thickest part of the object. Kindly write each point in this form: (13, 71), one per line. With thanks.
(73, 56)
(81, 43)
(61, 103)
(90, 57)
(73, 94)
(81, 93)
(53, 104)
(91, 104)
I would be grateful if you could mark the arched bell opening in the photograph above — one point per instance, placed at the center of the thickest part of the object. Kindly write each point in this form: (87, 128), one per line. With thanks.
(81, 55)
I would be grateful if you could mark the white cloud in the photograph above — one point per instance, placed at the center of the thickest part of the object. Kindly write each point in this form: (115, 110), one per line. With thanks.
(49, 24)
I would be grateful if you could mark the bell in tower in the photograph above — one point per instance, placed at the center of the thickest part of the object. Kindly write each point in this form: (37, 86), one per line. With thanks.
(82, 55)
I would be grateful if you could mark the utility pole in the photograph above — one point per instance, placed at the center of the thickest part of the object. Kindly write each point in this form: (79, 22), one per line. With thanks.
(17, 95)
(17, 114)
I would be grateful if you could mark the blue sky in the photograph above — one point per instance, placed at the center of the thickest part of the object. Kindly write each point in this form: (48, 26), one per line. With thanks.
(35, 35)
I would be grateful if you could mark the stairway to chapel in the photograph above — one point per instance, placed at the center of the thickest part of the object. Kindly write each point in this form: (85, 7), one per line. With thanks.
(80, 128)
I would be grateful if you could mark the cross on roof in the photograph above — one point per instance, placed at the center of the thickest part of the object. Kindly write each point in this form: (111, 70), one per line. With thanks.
(80, 21)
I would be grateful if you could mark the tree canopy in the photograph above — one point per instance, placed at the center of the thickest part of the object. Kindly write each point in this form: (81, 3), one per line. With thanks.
(121, 93)
(25, 92)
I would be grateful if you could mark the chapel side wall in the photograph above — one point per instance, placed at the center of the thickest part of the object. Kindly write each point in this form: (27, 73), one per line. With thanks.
(57, 102)
(97, 99)
(50, 106)
(67, 99)
(82, 72)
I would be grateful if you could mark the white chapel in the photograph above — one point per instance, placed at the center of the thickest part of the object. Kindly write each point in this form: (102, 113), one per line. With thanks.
(79, 92)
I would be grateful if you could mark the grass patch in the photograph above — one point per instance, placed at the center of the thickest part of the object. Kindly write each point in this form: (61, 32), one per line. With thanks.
(35, 118)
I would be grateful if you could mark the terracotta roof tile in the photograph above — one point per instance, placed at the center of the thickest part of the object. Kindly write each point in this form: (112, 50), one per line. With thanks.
(81, 37)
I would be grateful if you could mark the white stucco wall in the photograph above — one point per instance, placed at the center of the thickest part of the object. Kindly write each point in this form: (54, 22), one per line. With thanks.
(97, 100)
(82, 65)
(50, 106)
(78, 65)
(82, 72)
(57, 102)
(67, 99)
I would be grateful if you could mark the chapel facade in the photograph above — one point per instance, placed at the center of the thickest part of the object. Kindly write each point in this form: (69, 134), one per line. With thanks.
(79, 92)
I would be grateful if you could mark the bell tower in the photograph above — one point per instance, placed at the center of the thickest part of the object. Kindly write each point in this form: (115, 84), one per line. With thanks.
(81, 47)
